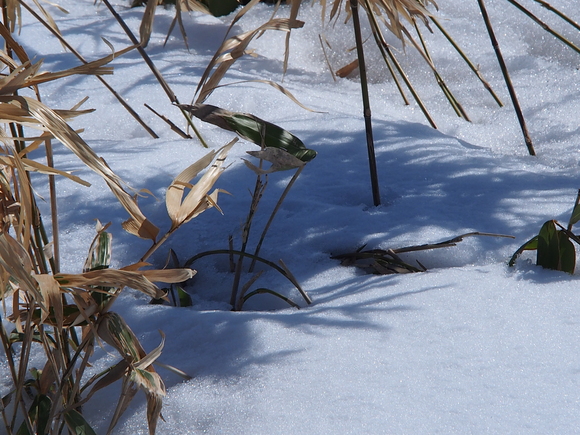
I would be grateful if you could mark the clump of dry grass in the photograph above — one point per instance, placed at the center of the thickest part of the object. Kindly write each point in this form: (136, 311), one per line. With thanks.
(60, 317)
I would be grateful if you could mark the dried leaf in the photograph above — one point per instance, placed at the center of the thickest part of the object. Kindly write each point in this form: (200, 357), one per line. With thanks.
(280, 159)
(182, 210)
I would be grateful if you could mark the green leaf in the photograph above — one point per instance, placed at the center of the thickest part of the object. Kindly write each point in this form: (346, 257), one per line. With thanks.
(77, 423)
(567, 253)
(575, 215)
(252, 128)
(530, 245)
(555, 250)
(184, 298)
(260, 132)
(219, 8)
(548, 246)
(39, 414)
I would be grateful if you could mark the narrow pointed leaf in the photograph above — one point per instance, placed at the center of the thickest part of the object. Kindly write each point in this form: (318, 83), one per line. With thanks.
(253, 129)
(77, 423)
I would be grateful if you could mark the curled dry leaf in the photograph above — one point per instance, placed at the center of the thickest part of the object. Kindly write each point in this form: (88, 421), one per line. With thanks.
(182, 210)
(235, 47)
(281, 160)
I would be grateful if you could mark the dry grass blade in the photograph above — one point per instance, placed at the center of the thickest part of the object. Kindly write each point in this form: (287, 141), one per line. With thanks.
(13, 45)
(111, 278)
(33, 166)
(16, 261)
(169, 276)
(147, 22)
(51, 121)
(11, 9)
(52, 297)
(235, 47)
(281, 160)
(114, 331)
(128, 392)
(275, 86)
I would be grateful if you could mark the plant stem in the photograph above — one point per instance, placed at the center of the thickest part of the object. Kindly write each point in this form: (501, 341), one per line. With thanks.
(507, 79)
(278, 205)
(557, 12)
(256, 196)
(366, 104)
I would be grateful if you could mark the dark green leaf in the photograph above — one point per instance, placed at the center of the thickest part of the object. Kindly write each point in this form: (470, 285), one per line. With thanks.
(219, 8)
(567, 253)
(555, 250)
(548, 246)
(77, 423)
(184, 298)
(530, 245)
(252, 128)
(272, 292)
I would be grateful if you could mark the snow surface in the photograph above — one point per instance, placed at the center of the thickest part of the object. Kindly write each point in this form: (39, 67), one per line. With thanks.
(471, 346)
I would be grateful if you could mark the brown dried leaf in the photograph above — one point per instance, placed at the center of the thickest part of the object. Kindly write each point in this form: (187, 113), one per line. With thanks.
(182, 210)
(110, 278)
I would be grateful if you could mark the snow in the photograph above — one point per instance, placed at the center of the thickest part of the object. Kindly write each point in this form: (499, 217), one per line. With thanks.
(470, 346)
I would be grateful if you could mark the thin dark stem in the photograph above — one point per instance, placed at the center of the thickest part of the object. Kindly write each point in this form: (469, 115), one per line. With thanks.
(172, 97)
(507, 79)
(276, 208)
(366, 104)
(545, 26)
(256, 196)
(557, 12)
(474, 68)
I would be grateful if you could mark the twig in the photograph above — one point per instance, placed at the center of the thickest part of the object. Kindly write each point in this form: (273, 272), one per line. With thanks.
(173, 127)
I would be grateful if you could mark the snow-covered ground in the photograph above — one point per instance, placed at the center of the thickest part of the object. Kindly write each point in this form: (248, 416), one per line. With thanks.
(470, 346)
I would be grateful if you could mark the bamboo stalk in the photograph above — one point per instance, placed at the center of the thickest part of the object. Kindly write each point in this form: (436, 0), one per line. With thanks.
(507, 79)
(366, 104)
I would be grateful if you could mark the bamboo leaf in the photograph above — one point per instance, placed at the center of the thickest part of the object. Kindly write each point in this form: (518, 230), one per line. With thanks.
(530, 245)
(77, 423)
(110, 278)
(182, 210)
(555, 250)
(252, 128)
(184, 298)
(575, 213)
